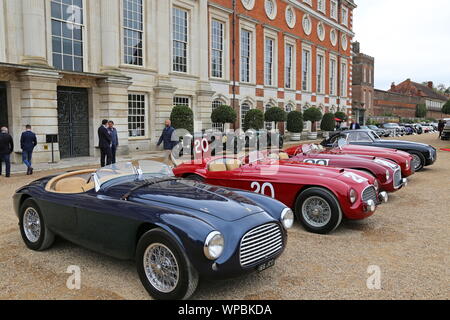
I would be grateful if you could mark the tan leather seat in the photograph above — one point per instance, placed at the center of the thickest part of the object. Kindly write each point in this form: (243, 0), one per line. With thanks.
(70, 185)
(284, 156)
(233, 164)
(217, 167)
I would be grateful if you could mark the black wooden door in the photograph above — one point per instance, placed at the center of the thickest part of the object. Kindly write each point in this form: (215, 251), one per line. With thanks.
(3, 106)
(73, 122)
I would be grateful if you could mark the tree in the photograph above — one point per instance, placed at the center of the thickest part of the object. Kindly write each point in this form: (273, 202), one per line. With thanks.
(254, 119)
(313, 114)
(446, 108)
(182, 117)
(328, 122)
(295, 122)
(421, 110)
(276, 115)
(341, 115)
(441, 88)
(223, 114)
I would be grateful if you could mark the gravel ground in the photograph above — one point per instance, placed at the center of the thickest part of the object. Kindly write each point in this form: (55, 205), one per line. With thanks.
(408, 238)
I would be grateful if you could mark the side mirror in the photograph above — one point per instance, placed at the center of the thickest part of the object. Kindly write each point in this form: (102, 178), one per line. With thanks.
(341, 143)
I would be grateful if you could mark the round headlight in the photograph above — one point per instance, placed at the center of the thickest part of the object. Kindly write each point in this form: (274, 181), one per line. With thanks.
(214, 245)
(407, 165)
(352, 196)
(388, 175)
(376, 184)
(287, 218)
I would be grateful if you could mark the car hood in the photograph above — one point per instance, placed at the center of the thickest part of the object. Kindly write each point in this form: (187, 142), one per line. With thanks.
(211, 200)
(299, 168)
(401, 142)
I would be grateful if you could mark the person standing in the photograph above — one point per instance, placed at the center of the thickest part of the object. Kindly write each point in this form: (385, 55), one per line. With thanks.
(28, 142)
(104, 144)
(114, 140)
(441, 126)
(166, 139)
(355, 126)
(6, 148)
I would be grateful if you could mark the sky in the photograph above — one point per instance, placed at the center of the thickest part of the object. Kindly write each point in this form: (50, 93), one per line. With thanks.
(408, 38)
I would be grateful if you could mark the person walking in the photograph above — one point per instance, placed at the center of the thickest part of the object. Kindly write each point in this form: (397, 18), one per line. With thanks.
(104, 143)
(441, 126)
(28, 142)
(6, 148)
(166, 138)
(355, 126)
(114, 140)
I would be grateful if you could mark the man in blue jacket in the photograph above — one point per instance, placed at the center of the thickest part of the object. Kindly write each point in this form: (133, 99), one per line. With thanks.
(166, 137)
(28, 142)
(114, 140)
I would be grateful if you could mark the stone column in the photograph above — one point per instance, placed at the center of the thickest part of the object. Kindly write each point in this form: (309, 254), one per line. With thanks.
(34, 37)
(163, 37)
(2, 36)
(164, 92)
(204, 105)
(110, 36)
(113, 93)
(39, 108)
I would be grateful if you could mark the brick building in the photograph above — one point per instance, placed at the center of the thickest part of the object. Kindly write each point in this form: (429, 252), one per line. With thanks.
(388, 103)
(363, 85)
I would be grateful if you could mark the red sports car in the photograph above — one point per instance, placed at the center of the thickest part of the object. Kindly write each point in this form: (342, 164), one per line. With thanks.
(403, 159)
(320, 196)
(388, 173)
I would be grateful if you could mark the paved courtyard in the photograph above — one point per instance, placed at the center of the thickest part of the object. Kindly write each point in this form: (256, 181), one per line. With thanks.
(408, 239)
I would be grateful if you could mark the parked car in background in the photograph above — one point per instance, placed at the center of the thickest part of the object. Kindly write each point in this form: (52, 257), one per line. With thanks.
(394, 129)
(379, 131)
(446, 131)
(423, 154)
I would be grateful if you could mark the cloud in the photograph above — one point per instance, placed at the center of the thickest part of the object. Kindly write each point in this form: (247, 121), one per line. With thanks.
(408, 38)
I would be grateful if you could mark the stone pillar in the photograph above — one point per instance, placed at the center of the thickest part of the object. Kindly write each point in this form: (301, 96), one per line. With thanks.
(34, 36)
(2, 36)
(163, 37)
(113, 93)
(203, 108)
(39, 108)
(110, 36)
(164, 92)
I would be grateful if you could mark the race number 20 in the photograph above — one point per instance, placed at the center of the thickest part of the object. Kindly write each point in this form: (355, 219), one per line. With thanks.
(261, 189)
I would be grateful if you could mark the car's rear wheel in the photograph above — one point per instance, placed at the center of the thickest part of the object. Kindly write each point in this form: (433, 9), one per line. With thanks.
(418, 161)
(163, 267)
(195, 177)
(318, 210)
(33, 229)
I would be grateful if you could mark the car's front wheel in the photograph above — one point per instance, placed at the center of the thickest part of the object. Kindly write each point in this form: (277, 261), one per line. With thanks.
(418, 160)
(318, 210)
(33, 229)
(163, 267)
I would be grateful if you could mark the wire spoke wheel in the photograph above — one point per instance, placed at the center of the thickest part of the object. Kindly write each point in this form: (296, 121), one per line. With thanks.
(161, 268)
(316, 212)
(32, 225)
(416, 162)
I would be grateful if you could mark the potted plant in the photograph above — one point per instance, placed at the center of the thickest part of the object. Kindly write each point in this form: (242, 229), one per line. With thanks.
(254, 119)
(223, 114)
(328, 124)
(312, 114)
(295, 125)
(182, 117)
(276, 115)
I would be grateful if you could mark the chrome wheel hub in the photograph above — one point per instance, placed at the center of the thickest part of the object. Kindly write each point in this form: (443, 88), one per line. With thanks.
(161, 268)
(316, 212)
(416, 161)
(32, 225)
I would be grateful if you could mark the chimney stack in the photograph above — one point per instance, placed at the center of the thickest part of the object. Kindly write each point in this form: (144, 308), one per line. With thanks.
(392, 86)
(430, 84)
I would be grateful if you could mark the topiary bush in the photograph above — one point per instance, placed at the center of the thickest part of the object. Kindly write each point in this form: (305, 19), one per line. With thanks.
(276, 115)
(295, 122)
(223, 114)
(313, 114)
(446, 108)
(182, 117)
(341, 115)
(254, 119)
(328, 122)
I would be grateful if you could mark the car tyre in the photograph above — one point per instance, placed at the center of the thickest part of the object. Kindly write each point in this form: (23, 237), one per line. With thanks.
(418, 157)
(33, 229)
(328, 201)
(174, 257)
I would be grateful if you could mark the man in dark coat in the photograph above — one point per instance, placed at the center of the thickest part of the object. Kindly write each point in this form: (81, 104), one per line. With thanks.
(166, 139)
(6, 148)
(441, 126)
(28, 142)
(114, 140)
(355, 126)
(104, 143)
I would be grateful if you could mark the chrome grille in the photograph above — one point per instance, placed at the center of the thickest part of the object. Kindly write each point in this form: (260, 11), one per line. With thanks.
(260, 243)
(398, 178)
(369, 194)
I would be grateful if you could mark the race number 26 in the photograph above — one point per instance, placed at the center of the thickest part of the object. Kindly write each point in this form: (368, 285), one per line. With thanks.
(261, 189)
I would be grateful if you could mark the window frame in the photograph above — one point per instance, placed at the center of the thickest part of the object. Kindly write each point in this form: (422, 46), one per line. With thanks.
(308, 87)
(122, 36)
(269, 59)
(223, 51)
(249, 57)
(333, 75)
(188, 37)
(146, 116)
(320, 76)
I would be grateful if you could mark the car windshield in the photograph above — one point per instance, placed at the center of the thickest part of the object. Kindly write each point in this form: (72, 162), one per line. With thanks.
(373, 127)
(374, 135)
(312, 148)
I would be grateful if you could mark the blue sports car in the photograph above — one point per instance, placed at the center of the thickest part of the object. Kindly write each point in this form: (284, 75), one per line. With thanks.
(176, 230)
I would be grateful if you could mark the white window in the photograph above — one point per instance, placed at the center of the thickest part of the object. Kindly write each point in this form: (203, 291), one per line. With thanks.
(182, 101)
(291, 18)
(320, 73)
(344, 16)
(271, 8)
(248, 4)
(268, 61)
(321, 5)
(333, 37)
(364, 74)
(334, 9)
(217, 126)
(217, 48)
(321, 31)
(67, 34)
(245, 55)
(289, 54)
(343, 79)
(333, 73)
(307, 24)
(370, 76)
(306, 70)
(344, 42)
(180, 39)
(137, 115)
(308, 2)
(133, 29)
(245, 108)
